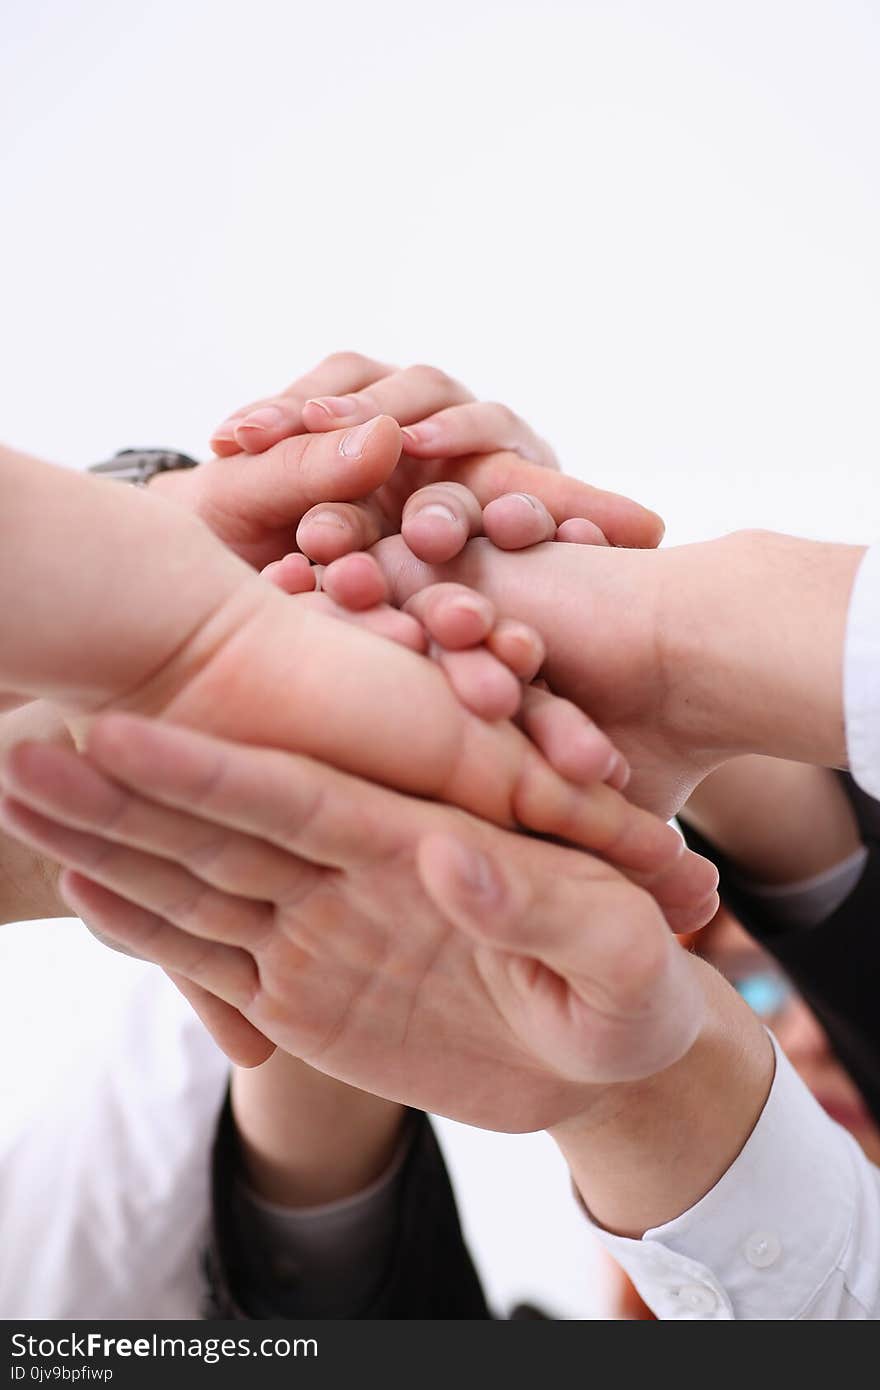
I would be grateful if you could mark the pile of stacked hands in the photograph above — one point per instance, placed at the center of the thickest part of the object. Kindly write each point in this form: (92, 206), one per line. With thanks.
(368, 731)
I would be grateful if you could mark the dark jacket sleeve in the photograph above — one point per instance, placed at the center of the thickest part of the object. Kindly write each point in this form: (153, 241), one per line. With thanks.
(836, 964)
(428, 1272)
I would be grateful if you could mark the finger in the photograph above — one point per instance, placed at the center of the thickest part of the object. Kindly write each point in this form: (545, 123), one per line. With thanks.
(685, 888)
(334, 819)
(621, 520)
(517, 520)
(476, 428)
(571, 742)
(331, 530)
(453, 615)
(482, 683)
(407, 395)
(243, 1044)
(251, 503)
(355, 582)
(224, 971)
(63, 789)
(519, 646)
(292, 574)
(438, 521)
(342, 371)
(383, 620)
(299, 805)
(595, 817)
(620, 987)
(579, 531)
(156, 884)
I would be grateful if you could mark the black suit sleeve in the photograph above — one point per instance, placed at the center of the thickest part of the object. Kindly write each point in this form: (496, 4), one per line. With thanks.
(836, 964)
(428, 1272)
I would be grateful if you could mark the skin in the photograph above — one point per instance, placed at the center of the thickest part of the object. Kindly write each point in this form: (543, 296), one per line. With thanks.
(327, 974)
(450, 439)
(210, 644)
(686, 657)
(253, 504)
(486, 1004)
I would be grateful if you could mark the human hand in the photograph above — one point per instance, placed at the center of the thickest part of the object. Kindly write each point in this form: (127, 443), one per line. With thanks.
(489, 662)
(685, 656)
(450, 438)
(211, 644)
(399, 945)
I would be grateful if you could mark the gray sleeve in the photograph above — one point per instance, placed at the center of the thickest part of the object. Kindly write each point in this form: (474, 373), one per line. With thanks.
(328, 1258)
(810, 901)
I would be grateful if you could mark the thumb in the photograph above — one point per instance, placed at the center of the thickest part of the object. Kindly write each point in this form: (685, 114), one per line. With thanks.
(621, 981)
(248, 499)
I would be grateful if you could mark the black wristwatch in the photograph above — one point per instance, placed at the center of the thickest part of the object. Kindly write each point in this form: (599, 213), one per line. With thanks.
(138, 466)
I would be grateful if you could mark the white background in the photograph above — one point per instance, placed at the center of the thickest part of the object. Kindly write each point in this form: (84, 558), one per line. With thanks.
(652, 228)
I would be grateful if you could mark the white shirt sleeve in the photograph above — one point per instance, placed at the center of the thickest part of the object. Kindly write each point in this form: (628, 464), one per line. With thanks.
(791, 1231)
(861, 676)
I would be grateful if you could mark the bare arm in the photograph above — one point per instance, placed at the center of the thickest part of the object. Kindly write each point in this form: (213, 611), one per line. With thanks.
(306, 1138)
(778, 821)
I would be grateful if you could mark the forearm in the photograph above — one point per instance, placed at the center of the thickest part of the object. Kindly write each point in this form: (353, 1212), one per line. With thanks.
(776, 821)
(28, 881)
(655, 1148)
(754, 627)
(307, 1139)
(101, 584)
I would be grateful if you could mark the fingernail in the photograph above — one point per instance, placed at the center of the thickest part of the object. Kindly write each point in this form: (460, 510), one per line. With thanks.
(421, 434)
(524, 497)
(435, 509)
(619, 768)
(470, 604)
(328, 519)
(473, 872)
(337, 406)
(268, 417)
(352, 443)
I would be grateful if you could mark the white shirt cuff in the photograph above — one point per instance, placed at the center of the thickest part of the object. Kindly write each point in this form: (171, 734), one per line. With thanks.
(861, 676)
(782, 1235)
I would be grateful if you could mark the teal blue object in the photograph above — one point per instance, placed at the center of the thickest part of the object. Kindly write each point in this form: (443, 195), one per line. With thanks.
(765, 992)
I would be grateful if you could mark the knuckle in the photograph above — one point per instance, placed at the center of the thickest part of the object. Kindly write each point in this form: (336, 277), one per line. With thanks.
(348, 361)
(367, 400)
(432, 378)
(206, 858)
(504, 415)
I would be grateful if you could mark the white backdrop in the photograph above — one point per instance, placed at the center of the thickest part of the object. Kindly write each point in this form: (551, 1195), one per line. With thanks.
(652, 228)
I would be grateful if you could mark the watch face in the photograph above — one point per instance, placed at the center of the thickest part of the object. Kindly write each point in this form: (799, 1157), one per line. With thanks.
(140, 465)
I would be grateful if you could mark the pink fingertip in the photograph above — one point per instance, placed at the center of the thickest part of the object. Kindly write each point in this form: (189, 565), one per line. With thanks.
(334, 407)
(267, 420)
(421, 436)
(579, 531)
(433, 537)
(355, 581)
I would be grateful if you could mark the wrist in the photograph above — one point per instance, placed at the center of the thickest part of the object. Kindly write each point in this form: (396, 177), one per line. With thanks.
(308, 1139)
(644, 1152)
(178, 485)
(778, 822)
(751, 639)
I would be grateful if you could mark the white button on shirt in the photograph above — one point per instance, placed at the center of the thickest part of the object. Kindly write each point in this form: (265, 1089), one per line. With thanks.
(762, 1249)
(791, 1231)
